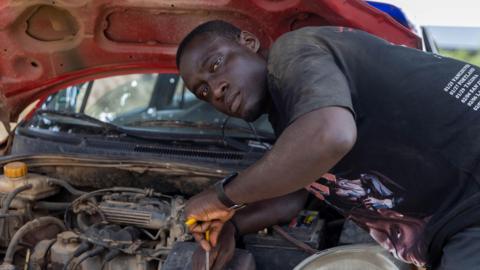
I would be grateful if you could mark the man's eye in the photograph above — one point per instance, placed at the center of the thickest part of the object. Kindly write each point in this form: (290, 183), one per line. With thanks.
(203, 91)
(216, 64)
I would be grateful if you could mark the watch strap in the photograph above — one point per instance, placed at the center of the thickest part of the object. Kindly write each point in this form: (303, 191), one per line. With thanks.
(222, 197)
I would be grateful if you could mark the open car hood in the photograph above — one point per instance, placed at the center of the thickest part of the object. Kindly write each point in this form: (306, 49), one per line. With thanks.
(46, 45)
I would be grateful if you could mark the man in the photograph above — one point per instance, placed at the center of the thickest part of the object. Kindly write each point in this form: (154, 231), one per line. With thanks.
(343, 101)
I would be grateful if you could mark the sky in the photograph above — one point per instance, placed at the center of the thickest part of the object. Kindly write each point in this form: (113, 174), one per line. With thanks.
(440, 12)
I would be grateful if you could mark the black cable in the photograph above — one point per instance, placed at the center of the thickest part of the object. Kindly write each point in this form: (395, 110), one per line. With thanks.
(84, 246)
(224, 124)
(93, 252)
(232, 142)
(26, 228)
(252, 127)
(65, 185)
(110, 256)
(301, 245)
(51, 206)
(8, 200)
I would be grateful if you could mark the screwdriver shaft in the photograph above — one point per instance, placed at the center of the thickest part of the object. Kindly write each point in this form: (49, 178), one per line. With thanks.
(207, 260)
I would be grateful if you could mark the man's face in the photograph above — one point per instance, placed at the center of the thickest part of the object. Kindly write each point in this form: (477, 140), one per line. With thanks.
(229, 75)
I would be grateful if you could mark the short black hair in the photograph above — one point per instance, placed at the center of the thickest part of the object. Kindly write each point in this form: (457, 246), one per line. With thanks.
(216, 27)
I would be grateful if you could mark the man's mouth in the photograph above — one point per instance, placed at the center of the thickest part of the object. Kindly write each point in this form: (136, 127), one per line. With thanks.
(234, 103)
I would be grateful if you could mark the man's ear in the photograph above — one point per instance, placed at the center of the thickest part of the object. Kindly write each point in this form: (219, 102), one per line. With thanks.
(250, 41)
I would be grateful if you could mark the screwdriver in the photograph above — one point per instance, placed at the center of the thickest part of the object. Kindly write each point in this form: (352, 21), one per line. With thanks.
(192, 221)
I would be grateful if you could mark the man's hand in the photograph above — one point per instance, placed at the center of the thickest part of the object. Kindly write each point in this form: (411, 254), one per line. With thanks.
(210, 215)
(221, 254)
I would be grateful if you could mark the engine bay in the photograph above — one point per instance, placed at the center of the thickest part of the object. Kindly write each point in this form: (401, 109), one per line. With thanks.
(49, 223)
(111, 228)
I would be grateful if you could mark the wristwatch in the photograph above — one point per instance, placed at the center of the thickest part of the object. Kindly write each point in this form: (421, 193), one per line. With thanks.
(222, 197)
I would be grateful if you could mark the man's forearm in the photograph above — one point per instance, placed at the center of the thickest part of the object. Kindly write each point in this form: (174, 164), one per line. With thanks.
(306, 150)
(266, 213)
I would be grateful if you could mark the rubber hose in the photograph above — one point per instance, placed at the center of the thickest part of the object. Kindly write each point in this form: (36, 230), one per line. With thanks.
(91, 253)
(26, 228)
(84, 246)
(8, 200)
(52, 206)
(301, 245)
(66, 185)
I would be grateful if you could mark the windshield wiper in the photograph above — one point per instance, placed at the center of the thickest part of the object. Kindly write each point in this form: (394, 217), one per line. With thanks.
(258, 137)
(202, 125)
(109, 127)
(81, 116)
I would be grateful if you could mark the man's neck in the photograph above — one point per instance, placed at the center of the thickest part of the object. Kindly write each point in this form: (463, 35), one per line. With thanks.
(263, 53)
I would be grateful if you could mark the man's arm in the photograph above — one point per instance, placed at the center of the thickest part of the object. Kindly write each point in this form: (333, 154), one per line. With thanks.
(263, 214)
(307, 149)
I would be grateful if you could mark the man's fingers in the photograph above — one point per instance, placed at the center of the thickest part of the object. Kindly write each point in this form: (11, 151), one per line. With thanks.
(324, 189)
(223, 215)
(316, 193)
(200, 238)
(199, 227)
(330, 177)
(215, 229)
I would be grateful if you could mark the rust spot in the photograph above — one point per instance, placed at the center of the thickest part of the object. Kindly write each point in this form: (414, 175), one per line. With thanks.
(50, 23)
(22, 65)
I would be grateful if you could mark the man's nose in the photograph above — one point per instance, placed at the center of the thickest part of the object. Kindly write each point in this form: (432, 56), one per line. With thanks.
(219, 90)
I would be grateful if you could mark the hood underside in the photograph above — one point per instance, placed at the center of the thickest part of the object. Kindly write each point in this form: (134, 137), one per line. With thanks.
(46, 45)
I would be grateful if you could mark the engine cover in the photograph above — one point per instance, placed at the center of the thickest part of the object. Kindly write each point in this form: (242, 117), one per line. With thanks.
(145, 213)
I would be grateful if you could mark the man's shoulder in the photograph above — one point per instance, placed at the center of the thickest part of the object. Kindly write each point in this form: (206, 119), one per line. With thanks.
(313, 33)
(292, 44)
(302, 36)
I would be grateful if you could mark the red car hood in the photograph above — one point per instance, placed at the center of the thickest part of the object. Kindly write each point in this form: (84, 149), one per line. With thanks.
(47, 45)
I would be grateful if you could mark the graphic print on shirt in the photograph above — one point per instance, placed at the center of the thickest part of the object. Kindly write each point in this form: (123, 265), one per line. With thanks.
(371, 202)
(464, 86)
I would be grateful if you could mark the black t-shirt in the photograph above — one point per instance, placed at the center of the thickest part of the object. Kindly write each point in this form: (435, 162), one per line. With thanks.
(412, 178)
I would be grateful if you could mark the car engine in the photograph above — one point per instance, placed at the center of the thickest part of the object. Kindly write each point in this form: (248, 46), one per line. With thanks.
(111, 228)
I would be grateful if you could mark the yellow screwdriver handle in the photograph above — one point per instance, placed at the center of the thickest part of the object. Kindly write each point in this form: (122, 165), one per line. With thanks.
(207, 235)
(192, 221)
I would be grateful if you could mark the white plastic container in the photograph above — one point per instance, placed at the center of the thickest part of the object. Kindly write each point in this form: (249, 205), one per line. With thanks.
(15, 174)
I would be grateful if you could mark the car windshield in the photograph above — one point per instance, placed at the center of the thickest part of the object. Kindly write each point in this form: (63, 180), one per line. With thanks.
(146, 102)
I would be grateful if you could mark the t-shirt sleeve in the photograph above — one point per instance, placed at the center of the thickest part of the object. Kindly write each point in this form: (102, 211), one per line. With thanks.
(306, 77)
